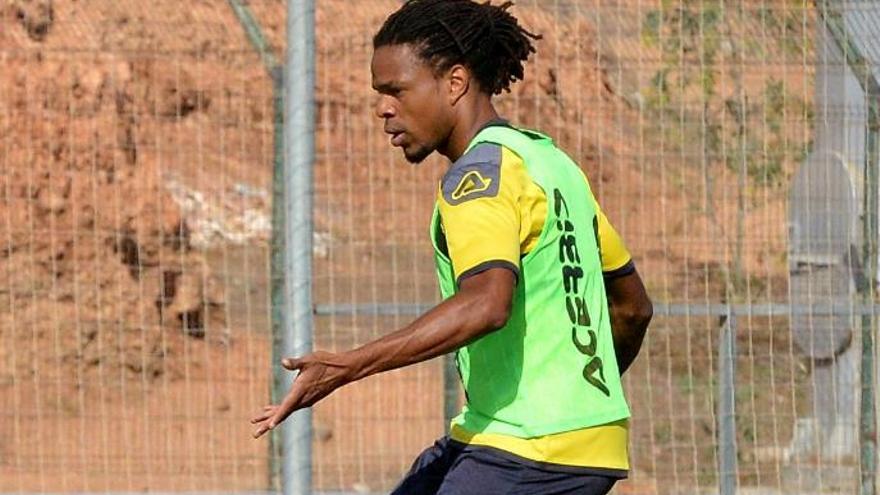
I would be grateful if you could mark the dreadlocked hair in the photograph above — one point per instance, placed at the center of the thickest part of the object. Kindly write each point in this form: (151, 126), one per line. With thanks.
(483, 37)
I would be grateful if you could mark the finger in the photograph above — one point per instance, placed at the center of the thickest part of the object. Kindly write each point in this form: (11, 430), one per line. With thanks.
(291, 403)
(263, 416)
(292, 363)
(263, 428)
(280, 415)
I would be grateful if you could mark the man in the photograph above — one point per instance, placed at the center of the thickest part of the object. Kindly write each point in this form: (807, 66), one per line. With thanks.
(520, 246)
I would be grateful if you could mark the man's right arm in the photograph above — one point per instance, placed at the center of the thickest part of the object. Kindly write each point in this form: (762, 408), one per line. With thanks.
(631, 311)
(482, 305)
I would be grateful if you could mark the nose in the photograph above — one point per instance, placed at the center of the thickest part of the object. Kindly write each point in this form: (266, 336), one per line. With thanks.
(384, 107)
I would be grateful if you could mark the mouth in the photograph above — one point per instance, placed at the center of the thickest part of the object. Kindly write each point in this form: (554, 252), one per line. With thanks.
(397, 137)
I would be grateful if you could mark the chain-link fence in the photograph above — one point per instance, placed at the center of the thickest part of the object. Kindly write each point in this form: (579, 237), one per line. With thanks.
(728, 142)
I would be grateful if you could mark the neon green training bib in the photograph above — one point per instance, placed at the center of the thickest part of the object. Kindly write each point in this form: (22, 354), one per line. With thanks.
(552, 367)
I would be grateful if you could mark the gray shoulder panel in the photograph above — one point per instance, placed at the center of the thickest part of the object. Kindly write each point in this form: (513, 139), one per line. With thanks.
(477, 174)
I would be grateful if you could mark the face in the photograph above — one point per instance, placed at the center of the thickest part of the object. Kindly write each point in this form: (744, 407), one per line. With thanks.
(413, 101)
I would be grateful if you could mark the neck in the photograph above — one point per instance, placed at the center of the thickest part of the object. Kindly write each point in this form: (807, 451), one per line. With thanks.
(473, 118)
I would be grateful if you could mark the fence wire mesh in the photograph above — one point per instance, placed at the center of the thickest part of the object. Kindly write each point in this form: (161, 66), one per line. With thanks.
(136, 164)
(137, 147)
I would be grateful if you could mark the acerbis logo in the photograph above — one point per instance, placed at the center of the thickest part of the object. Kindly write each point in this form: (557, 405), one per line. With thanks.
(471, 183)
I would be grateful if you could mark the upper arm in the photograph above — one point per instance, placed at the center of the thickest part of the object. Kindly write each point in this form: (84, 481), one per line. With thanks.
(627, 293)
(494, 287)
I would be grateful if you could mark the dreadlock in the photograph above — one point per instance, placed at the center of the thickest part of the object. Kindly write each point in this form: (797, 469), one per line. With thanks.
(483, 37)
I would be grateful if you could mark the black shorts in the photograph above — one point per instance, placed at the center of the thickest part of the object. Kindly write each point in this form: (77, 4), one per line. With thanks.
(452, 468)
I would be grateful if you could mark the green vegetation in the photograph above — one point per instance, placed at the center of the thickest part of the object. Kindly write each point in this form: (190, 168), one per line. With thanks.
(718, 92)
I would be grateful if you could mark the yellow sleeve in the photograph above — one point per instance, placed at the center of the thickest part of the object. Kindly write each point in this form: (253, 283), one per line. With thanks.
(478, 201)
(616, 259)
(611, 246)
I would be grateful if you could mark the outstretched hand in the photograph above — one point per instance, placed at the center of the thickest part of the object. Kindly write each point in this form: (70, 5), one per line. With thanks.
(320, 373)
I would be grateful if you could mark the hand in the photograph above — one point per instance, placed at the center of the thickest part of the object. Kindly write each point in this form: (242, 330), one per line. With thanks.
(320, 373)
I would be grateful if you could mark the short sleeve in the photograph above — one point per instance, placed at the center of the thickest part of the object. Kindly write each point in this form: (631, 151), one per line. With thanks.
(616, 260)
(479, 213)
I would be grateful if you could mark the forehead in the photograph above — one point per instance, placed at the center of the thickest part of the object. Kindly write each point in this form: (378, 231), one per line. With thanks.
(398, 64)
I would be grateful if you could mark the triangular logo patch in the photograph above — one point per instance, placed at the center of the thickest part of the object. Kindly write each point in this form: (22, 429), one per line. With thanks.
(471, 183)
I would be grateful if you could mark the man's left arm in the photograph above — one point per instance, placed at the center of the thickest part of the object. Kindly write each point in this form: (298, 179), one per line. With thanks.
(630, 307)
(631, 311)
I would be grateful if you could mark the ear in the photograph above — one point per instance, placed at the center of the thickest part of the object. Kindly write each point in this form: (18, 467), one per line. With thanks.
(458, 82)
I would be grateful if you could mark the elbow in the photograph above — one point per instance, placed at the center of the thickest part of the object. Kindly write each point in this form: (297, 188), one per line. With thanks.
(636, 315)
(494, 312)
(482, 319)
(496, 317)
(486, 301)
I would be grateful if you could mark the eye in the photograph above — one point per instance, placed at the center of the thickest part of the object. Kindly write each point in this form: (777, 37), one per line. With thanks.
(389, 90)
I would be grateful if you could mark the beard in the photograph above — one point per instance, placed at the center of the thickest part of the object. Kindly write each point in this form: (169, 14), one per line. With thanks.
(417, 155)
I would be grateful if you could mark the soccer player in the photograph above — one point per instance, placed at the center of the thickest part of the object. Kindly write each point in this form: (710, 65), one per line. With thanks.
(541, 299)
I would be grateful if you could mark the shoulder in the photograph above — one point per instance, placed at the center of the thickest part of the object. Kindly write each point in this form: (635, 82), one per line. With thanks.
(476, 174)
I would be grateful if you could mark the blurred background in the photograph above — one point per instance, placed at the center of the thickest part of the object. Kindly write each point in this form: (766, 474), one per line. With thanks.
(733, 144)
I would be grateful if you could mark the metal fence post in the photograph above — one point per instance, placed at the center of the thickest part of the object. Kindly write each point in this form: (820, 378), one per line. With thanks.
(727, 468)
(277, 264)
(275, 72)
(299, 158)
